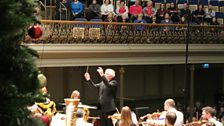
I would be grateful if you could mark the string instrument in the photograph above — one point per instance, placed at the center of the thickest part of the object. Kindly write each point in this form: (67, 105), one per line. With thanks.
(115, 116)
(197, 123)
(151, 119)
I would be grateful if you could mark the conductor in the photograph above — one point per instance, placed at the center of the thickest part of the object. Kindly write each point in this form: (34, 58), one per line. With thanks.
(107, 93)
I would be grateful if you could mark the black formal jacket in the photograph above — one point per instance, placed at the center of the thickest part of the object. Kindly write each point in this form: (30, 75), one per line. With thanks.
(107, 94)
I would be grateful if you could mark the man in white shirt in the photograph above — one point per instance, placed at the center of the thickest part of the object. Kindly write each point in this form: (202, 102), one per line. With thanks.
(169, 106)
(208, 113)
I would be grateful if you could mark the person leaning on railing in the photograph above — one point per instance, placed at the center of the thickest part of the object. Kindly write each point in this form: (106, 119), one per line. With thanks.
(140, 20)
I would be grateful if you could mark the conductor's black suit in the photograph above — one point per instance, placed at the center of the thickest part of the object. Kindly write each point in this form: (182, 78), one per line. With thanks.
(106, 99)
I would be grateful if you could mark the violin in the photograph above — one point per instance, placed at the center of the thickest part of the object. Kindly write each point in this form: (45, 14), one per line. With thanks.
(197, 123)
(115, 116)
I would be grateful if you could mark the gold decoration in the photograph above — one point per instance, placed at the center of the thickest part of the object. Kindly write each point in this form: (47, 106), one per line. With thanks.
(42, 80)
(78, 32)
(94, 33)
(49, 108)
(86, 114)
(71, 109)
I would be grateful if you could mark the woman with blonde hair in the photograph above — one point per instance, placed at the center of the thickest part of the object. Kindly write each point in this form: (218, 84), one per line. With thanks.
(126, 118)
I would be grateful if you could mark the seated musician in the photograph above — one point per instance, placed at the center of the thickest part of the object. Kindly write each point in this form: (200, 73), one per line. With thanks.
(125, 118)
(169, 106)
(159, 118)
(208, 113)
(170, 119)
(80, 121)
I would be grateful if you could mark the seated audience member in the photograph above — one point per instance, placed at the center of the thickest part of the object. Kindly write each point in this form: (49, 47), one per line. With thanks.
(199, 14)
(125, 118)
(122, 11)
(209, 14)
(140, 20)
(167, 20)
(77, 9)
(170, 119)
(173, 13)
(106, 8)
(154, 20)
(185, 12)
(182, 21)
(37, 13)
(80, 119)
(161, 12)
(214, 22)
(94, 11)
(60, 11)
(110, 17)
(169, 106)
(109, 28)
(208, 113)
(135, 10)
(149, 11)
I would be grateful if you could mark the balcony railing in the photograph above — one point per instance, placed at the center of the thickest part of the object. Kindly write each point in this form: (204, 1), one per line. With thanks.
(64, 32)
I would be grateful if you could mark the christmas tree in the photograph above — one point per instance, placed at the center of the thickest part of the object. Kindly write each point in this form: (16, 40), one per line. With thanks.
(18, 74)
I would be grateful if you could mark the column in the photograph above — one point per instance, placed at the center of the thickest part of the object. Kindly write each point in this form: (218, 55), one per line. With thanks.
(121, 100)
(192, 68)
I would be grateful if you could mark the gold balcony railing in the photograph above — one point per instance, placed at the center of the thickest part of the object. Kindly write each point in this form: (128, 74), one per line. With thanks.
(64, 32)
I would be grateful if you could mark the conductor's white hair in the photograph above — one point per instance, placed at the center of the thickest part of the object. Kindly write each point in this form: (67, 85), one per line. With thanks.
(111, 72)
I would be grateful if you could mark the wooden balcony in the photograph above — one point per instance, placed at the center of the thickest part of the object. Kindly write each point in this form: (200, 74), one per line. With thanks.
(70, 43)
(76, 32)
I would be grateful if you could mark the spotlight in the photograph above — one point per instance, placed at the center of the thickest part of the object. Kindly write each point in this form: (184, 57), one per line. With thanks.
(206, 66)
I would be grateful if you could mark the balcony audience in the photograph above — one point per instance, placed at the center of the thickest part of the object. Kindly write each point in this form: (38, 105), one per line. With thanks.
(209, 14)
(208, 113)
(167, 20)
(185, 12)
(94, 11)
(149, 11)
(106, 8)
(173, 11)
(140, 20)
(77, 9)
(61, 6)
(135, 10)
(122, 11)
(161, 12)
(199, 14)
